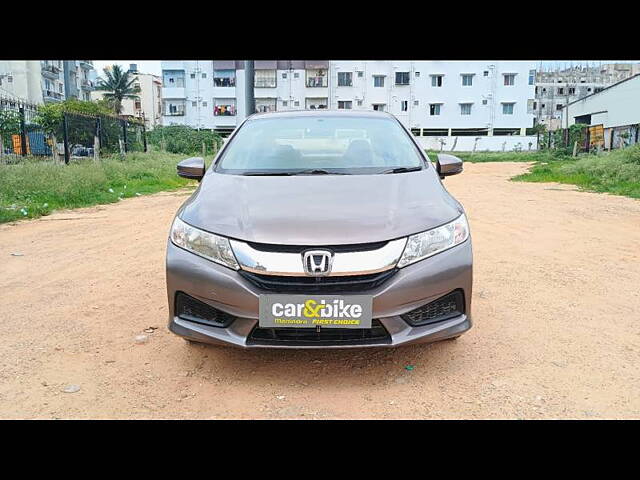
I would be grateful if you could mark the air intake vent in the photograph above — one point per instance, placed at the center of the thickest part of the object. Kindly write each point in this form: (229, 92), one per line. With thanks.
(444, 308)
(188, 308)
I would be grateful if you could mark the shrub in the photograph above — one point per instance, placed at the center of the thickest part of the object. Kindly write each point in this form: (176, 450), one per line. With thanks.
(184, 140)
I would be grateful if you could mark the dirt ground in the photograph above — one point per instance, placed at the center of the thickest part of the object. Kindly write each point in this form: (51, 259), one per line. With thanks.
(556, 310)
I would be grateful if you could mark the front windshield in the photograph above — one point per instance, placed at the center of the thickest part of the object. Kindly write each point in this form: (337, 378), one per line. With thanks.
(327, 144)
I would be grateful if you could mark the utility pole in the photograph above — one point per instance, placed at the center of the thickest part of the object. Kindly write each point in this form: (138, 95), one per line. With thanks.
(250, 103)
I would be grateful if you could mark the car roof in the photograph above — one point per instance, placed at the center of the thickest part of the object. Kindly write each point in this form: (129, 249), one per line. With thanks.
(321, 113)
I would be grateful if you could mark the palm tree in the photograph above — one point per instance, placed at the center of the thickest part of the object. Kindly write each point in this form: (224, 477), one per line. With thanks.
(119, 85)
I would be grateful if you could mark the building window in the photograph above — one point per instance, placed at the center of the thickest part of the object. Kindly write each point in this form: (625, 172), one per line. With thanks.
(532, 77)
(416, 103)
(296, 75)
(317, 103)
(558, 107)
(173, 78)
(344, 104)
(560, 91)
(265, 78)
(404, 105)
(204, 104)
(434, 109)
(296, 104)
(509, 79)
(284, 75)
(507, 108)
(224, 107)
(417, 74)
(194, 104)
(284, 103)
(359, 102)
(224, 78)
(378, 107)
(193, 75)
(484, 102)
(598, 89)
(344, 79)
(415, 132)
(436, 80)
(360, 74)
(467, 79)
(465, 108)
(204, 75)
(317, 78)
(378, 80)
(264, 105)
(174, 107)
(402, 78)
(486, 73)
(572, 91)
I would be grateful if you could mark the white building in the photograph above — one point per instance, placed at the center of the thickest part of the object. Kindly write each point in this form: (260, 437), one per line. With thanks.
(616, 108)
(148, 105)
(39, 81)
(467, 105)
(21, 79)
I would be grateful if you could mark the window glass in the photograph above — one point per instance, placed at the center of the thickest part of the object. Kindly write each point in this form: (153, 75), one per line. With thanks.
(355, 145)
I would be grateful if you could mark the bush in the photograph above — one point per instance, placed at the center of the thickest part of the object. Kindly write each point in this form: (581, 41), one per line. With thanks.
(184, 140)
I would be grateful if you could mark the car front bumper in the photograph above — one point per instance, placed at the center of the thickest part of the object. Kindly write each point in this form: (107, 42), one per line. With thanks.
(410, 288)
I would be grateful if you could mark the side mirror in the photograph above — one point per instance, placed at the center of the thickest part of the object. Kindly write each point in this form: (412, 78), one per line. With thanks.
(448, 165)
(192, 168)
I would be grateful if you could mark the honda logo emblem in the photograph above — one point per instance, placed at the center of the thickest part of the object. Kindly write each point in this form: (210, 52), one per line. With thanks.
(317, 262)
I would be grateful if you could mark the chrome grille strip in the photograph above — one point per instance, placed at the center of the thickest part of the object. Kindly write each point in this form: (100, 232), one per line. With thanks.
(344, 263)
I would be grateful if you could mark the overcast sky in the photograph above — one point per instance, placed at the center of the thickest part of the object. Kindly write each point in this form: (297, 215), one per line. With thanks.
(144, 66)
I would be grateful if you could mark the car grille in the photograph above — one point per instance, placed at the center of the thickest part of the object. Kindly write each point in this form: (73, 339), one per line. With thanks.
(444, 308)
(337, 284)
(188, 308)
(357, 247)
(377, 334)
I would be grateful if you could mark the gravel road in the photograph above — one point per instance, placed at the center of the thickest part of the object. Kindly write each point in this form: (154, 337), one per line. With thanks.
(556, 313)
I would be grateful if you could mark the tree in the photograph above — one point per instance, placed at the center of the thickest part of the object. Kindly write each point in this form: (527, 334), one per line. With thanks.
(118, 85)
(9, 125)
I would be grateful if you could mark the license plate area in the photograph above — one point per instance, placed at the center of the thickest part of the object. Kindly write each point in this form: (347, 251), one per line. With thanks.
(313, 311)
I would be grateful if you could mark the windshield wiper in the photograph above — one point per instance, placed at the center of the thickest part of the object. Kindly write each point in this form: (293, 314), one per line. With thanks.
(267, 174)
(318, 171)
(402, 170)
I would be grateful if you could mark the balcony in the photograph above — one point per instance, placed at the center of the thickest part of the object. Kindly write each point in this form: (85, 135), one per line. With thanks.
(176, 112)
(86, 64)
(51, 96)
(317, 78)
(86, 85)
(50, 71)
(316, 82)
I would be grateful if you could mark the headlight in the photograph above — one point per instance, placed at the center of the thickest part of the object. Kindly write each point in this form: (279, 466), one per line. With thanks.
(207, 245)
(426, 244)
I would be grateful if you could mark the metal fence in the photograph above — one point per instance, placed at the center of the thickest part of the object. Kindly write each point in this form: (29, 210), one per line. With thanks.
(590, 138)
(75, 136)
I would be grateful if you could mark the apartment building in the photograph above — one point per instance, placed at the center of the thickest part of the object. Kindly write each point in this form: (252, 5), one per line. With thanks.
(148, 105)
(443, 103)
(39, 81)
(79, 80)
(555, 89)
(21, 79)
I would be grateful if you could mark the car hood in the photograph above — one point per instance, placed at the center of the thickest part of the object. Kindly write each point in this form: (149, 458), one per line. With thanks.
(320, 209)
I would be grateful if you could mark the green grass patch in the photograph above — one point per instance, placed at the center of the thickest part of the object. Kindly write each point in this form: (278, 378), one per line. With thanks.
(480, 157)
(34, 188)
(616, 172)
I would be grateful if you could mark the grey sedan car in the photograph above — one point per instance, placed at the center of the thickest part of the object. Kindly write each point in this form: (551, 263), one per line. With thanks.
(316, 229)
